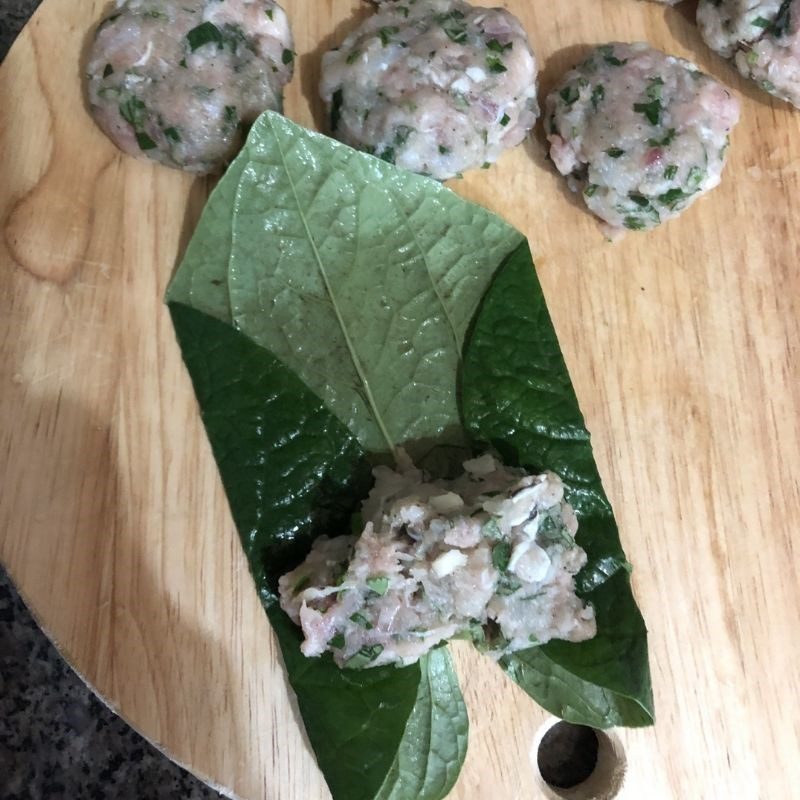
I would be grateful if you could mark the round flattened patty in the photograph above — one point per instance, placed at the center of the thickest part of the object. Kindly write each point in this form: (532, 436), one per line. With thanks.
(177, 81)
(761, 36)
(434, 86)
(639, 133)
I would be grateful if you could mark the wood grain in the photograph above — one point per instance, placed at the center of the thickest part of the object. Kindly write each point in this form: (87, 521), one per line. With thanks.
(682, 343)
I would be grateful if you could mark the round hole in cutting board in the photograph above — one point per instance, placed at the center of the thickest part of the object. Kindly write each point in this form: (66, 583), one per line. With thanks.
(574, 762)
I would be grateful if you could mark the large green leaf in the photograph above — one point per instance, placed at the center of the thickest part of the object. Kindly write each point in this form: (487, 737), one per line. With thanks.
(323, 308)
(360, 277)
(292, 471)
(517, 396)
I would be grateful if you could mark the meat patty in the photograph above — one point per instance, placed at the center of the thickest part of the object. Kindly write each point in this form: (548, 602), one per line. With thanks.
(761, 36)
(639, 133)
(437, 87)
(177, 81)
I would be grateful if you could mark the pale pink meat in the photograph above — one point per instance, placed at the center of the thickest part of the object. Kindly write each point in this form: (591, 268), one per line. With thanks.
(490, 554)
(179, 81)
(437, 86)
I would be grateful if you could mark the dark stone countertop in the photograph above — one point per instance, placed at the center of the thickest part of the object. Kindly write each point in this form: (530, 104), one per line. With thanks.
(57, 740)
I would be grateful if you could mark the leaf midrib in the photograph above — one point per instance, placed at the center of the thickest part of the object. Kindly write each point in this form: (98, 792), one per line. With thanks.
(329, 289)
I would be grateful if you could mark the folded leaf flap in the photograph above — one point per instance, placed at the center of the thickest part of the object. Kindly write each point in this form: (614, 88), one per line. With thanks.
(355, 719)
(291, 470)
(435, 739)
(517, 396)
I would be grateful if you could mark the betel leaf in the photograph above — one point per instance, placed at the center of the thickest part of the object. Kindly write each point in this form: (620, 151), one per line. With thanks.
(290, 468)
(317, 278)
(518, 397)
(292, 471)
(339, 258)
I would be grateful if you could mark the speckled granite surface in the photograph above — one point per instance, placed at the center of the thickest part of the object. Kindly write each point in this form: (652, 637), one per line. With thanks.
(13, 15)
(57, 740)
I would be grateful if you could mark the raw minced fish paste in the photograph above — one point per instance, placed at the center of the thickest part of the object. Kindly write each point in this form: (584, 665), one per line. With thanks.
(490, 555)
(177, 81)
(435, 86)
(639, 133)
(761, 36)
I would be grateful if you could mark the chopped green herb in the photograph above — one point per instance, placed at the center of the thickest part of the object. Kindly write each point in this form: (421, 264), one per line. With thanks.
(337, 641)
(173, 135)
(552, 529)
(569, 94)
(353, 57)
(783, 20)
(268, 12)
(361, 620)
(670, 172)
(443, 151)
(109, 70)
(491, 530)
(205, 33)
(671, 198)
(695, 178)
(501, 555)
(336, 109)
(453, 25)
(366, 655)
(231, 116)
(504, 120)
(497, 47)
(144, 141)
(633, 223)
(665, 141)
(486, 165)
(607, 51)
(401, 134)
(306, 579)
(379, 585)
(182, 63)
(651, 110)
(639, 199)
(387, 155)
(386, 33)
(133, 111)
(508, 584)
(653, 90)
(598, 93)
(615, 152)
(590, 190)
(760, 22)
(495, 64)
(155, 14)
(287, 56)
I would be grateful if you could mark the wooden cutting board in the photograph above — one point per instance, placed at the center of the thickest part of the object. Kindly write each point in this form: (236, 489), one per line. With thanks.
(682, 343)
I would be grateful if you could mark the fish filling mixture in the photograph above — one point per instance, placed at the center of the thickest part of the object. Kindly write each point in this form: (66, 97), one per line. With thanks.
(490, 556)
